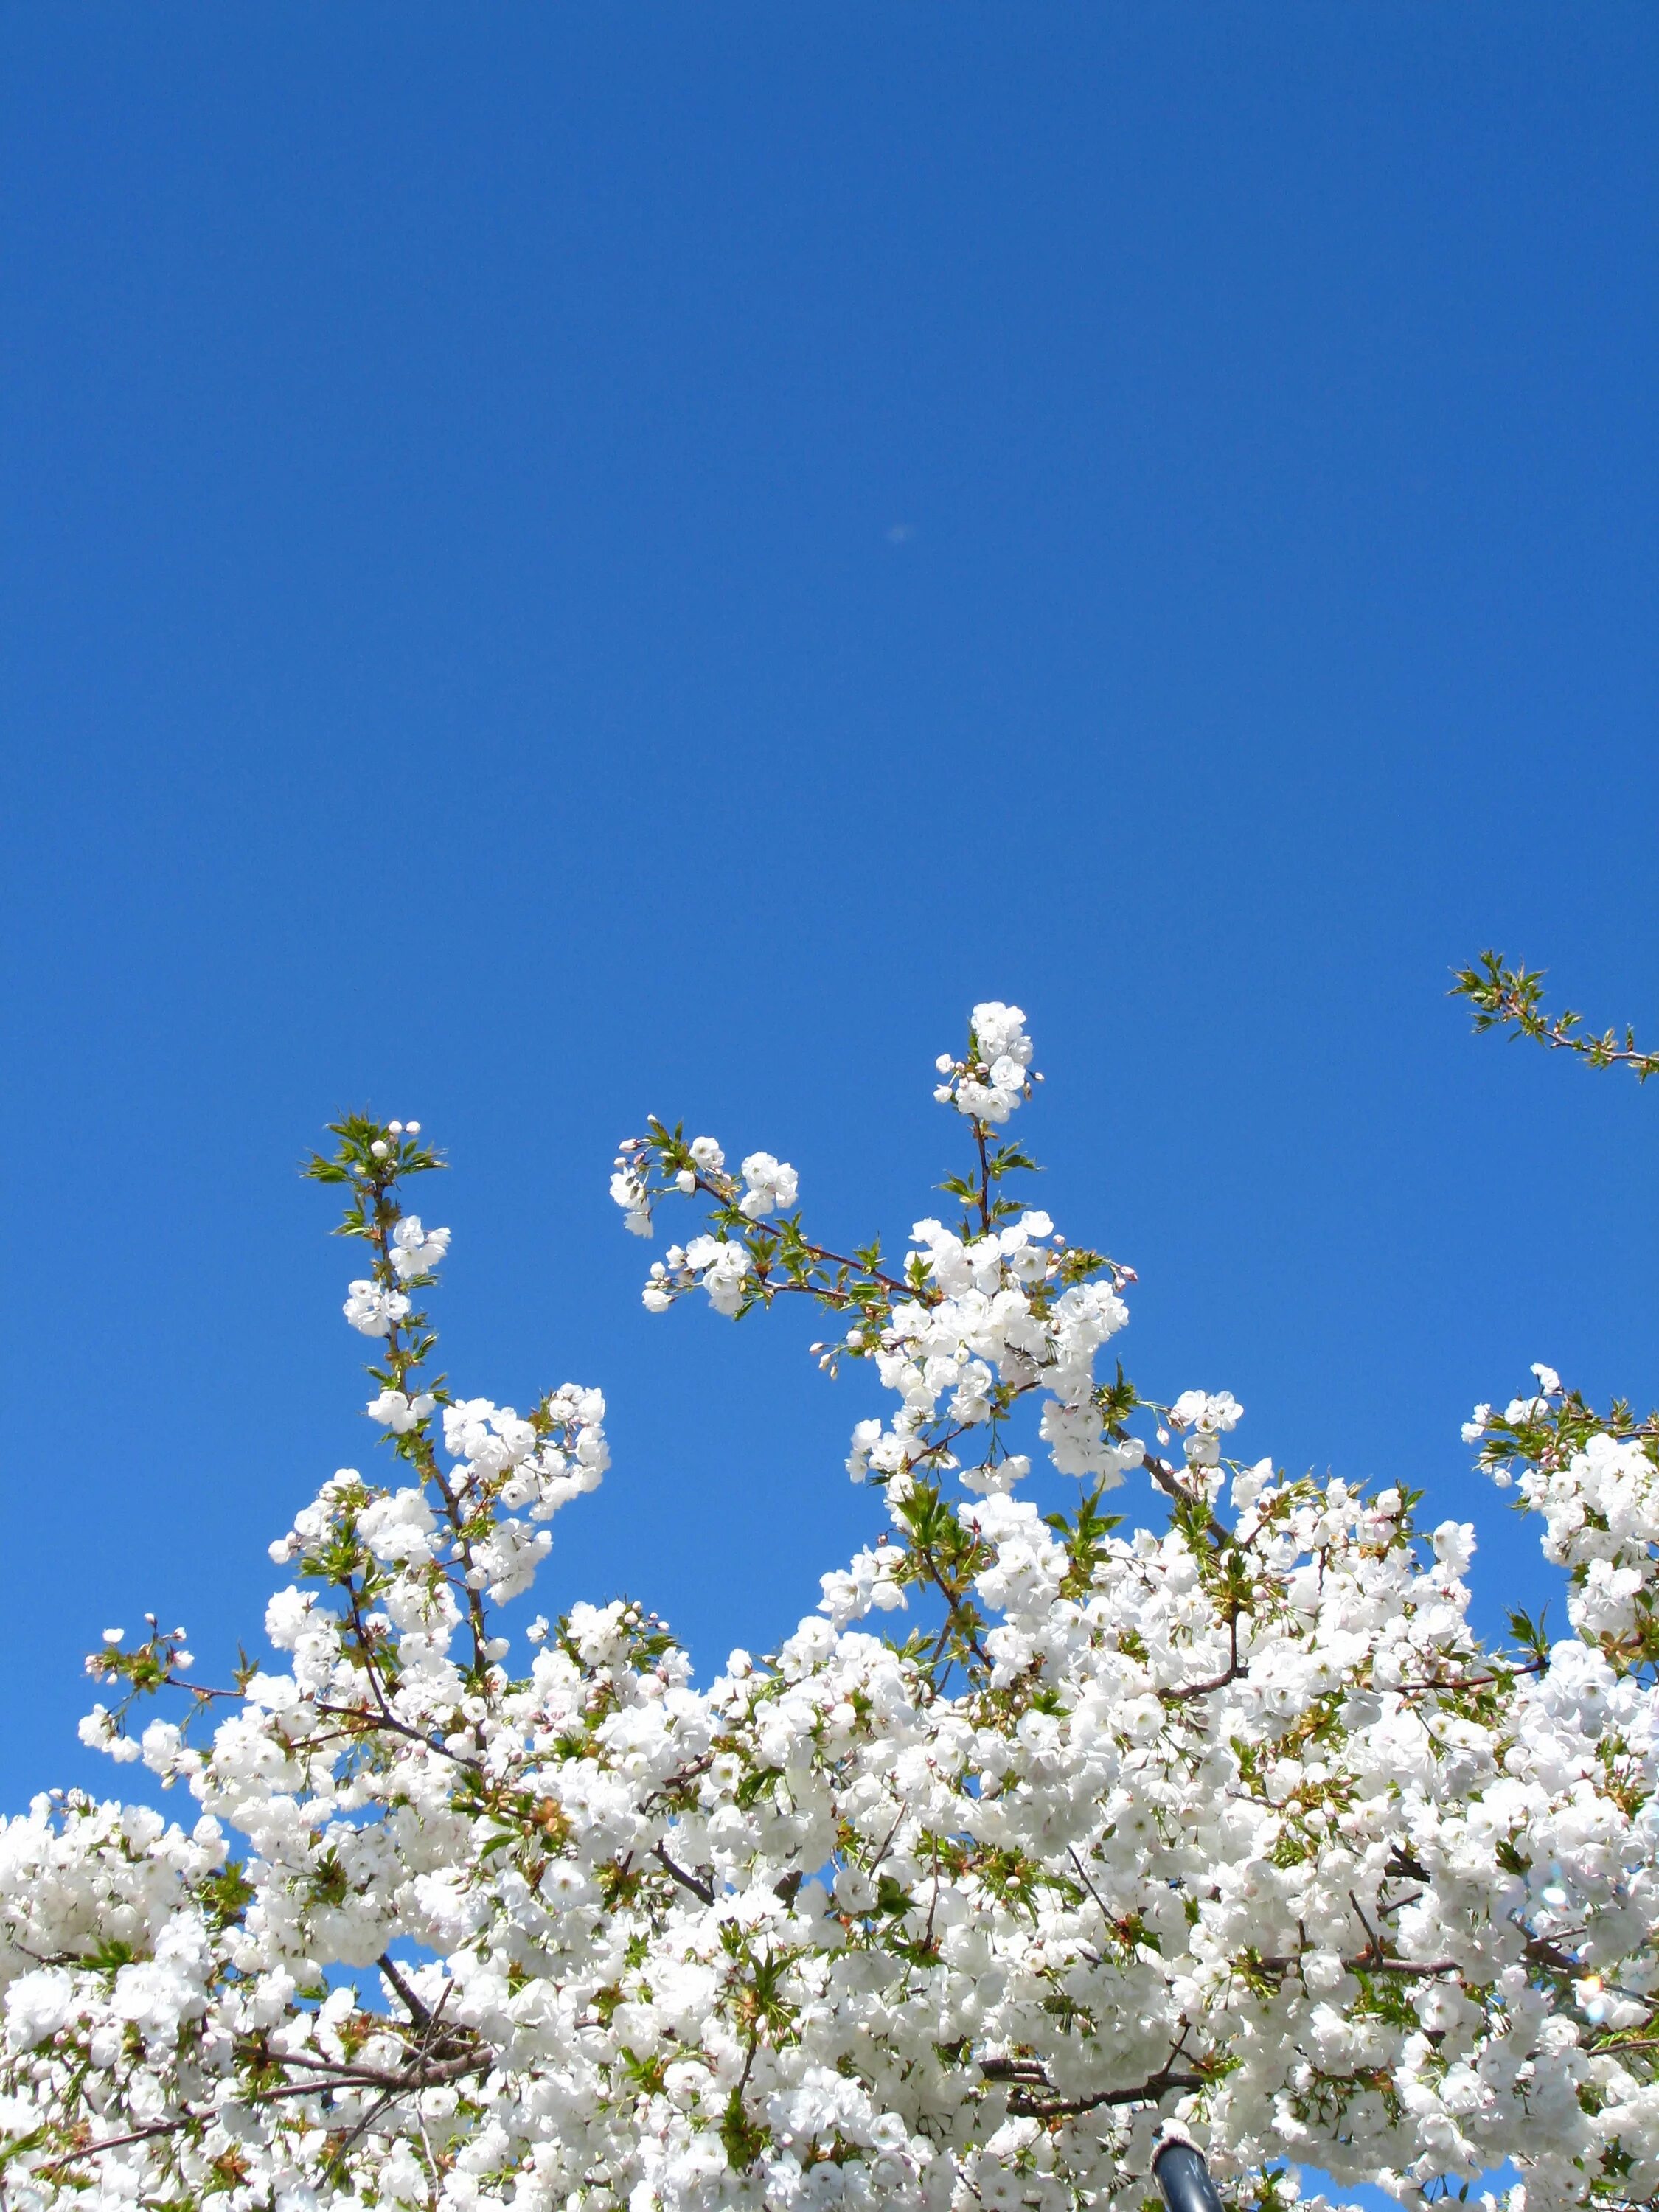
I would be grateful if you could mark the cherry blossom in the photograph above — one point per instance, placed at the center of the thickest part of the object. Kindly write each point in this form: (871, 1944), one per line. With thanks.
(1044, 1840)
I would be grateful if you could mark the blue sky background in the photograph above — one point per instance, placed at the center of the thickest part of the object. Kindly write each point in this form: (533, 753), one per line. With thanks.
(562, 563)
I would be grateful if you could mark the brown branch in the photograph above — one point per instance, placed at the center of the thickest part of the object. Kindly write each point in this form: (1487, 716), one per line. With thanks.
(823, 1254)
(954, 1605)
(1541, 1952)
(952, 1436)
(677, 1781)
(1469, 1681)
(1161, 2084)
(1374, 1959)
(371, 1721)
(1233, 1671)
(417, 2012)
(1397, 1904)
(367, 1720)
(1166, 1477)
(1370, 1962)
(449, 2071)
(1071, 1855)
(705, 1890)
(347, 2074)
(1366, 1964)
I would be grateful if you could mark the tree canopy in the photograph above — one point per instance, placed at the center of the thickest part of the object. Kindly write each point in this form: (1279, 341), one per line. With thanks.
(1043, 1837)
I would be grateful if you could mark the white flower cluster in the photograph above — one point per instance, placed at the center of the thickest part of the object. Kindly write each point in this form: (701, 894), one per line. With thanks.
(375, 1309)
(416, 1250)
(977, 1321)
(1601, 1512)
(373, 1305)
(1228, 1824)
(714, 1264)
(765, 1187)
(994, 1315)
(992, 1079)
(771, 1187)
(627, 1189)
(1207, 1416)
(399, 1411)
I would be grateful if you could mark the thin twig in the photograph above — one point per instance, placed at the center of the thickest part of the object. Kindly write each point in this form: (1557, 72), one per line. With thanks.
(705, 1890)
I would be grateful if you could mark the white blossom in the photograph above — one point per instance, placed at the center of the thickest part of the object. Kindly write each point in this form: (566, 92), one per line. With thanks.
(416, 1250)
(375, 1310)
(771, 1186)
(1039, 1839)
(400, 1411)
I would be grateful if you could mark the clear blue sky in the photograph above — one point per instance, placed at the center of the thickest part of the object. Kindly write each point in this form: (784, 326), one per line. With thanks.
(568, 562)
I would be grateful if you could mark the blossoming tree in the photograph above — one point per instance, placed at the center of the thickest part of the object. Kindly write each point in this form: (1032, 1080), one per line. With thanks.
(1042, 1836)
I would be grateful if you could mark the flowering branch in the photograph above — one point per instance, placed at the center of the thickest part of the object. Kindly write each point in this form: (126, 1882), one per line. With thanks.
(1512, 999)
(968, 1917)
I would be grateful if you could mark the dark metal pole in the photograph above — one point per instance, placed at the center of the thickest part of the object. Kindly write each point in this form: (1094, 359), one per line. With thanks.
(1183, 2179)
